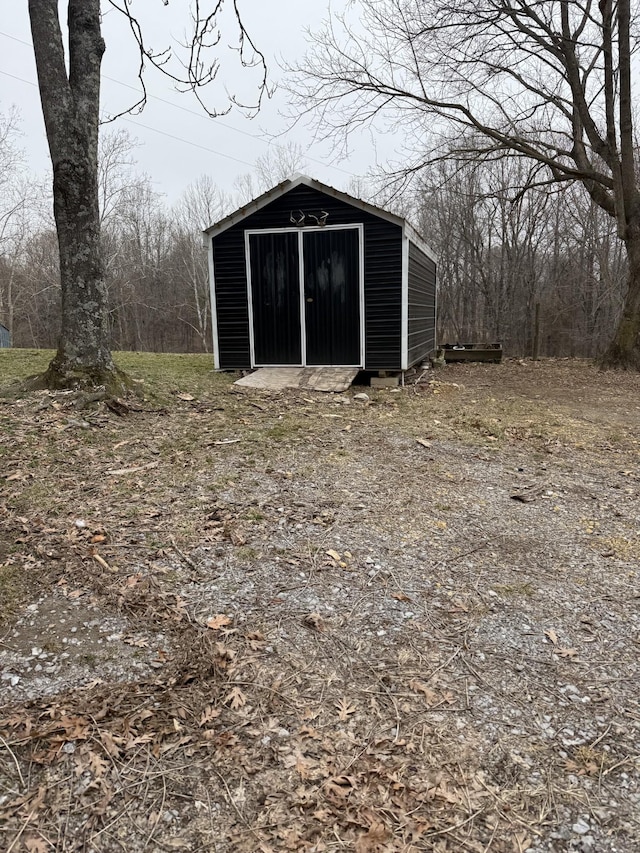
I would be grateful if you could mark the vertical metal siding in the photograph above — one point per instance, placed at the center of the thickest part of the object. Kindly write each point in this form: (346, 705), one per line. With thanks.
(383, 295)
(232, 307)
(5, 337)
(422, 305)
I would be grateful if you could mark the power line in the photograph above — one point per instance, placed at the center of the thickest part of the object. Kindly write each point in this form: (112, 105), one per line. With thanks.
(195, 113)
(136, 123)
(154, 129)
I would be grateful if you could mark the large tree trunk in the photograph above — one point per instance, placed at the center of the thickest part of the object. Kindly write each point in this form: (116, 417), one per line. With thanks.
(83, 350)
(71, 104)
(624, 349)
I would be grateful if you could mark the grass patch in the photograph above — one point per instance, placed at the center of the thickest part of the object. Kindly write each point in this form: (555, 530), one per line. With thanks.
(17, 364)
(622, 548)
(162, 375)
(13, 591)
(514, 590)
(284, 429)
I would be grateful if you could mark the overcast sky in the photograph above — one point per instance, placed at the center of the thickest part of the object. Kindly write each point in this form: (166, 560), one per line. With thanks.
(178, 142)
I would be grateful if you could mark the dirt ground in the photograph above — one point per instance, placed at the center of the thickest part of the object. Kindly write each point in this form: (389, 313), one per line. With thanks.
(242, 621)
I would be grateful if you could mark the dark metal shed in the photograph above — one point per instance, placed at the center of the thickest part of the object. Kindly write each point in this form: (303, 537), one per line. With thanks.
(308, 275)
(5, 336)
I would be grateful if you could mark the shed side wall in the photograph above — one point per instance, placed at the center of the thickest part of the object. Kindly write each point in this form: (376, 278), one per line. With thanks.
(422, 305)
(382, 276)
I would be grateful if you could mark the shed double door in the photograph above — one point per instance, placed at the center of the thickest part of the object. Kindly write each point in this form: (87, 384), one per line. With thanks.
(305, 297)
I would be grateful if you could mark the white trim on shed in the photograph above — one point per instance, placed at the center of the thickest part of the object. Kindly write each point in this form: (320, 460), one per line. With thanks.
(303, 332)
(304, 180)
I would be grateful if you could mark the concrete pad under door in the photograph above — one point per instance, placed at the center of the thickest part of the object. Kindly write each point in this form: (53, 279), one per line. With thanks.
(334, 379)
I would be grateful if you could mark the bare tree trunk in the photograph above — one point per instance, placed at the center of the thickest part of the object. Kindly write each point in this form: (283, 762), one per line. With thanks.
(624, 350)
(70, 104)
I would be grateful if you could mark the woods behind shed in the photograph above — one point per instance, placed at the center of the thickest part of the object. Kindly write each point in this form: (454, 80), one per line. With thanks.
(308, 275)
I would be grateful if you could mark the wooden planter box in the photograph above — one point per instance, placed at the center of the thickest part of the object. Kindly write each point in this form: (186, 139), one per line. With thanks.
(472, 352)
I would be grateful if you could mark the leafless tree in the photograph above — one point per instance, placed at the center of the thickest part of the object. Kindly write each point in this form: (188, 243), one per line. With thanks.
(69, 84)
(279, 163)
(547, 81)
(500, 257)
(201, 205)
(19, 200)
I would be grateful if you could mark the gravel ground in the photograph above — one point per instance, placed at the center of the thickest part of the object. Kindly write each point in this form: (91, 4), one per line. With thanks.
(403, 623)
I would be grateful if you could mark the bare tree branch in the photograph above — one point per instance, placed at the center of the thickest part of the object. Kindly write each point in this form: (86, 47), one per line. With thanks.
(202, 63)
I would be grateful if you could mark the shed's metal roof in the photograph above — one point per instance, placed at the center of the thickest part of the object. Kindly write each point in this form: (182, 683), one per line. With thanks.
(303, 180)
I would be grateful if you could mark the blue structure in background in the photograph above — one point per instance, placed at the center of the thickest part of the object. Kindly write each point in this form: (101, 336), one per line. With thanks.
(5, 336)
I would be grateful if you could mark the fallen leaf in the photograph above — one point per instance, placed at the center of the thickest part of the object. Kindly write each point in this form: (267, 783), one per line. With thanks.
(208, 715)
(430, 695)
(423, 442)
(551, 634)
(186, 397)
(313, 620)
(109, 744)
(376, 836)
(322, 815)
(568, 653)
(521, 842)
(255, 640)
(400, 596)
(345, 709)
(218, 621)
(334, 555)
(235, 699)
(36, 845)
(340, 786)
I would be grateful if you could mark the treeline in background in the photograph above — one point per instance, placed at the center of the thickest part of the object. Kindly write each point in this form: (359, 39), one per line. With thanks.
(510, 261)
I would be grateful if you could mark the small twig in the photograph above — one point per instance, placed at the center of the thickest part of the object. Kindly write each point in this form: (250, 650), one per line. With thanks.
(116, 472)
(157, 820)
(20, 831)
(181, 554)
(15, 760)
(493, 835)
(626, 760)
(456, 826)
(602, 736)
(233, 803)
(510, 817)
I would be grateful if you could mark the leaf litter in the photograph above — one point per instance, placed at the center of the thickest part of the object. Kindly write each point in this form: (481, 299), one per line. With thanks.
(320, 639)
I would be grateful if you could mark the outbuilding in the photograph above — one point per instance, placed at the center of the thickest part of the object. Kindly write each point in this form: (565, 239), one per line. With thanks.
(5, 336)
(306, 275)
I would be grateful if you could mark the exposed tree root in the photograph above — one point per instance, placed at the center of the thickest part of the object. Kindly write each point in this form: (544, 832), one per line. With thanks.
(105, 382)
